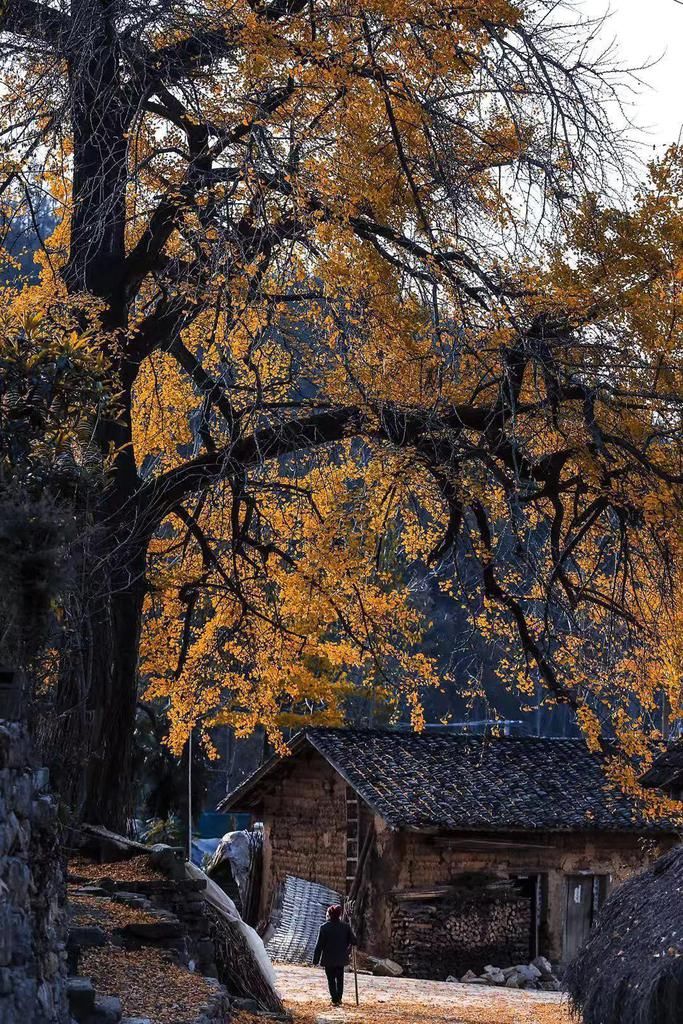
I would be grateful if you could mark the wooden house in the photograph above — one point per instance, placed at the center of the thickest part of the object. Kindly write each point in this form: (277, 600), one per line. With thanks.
(631, 969)
(457, 850)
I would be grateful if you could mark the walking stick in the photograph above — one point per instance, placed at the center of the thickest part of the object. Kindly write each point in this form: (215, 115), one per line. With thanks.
(355, 974)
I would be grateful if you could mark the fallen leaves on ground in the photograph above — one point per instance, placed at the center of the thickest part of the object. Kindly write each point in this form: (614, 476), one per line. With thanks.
(104, 913)
(495, 1011)
(137, 869)
(414, 1001)
(147, 983)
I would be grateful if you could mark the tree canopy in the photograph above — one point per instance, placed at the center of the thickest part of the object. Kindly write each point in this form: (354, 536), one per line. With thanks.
(370, 300)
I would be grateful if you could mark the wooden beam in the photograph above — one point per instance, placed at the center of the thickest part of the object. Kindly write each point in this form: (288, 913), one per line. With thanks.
(463, 843)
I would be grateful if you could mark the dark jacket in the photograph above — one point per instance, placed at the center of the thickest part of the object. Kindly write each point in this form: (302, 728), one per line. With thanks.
(334, 943)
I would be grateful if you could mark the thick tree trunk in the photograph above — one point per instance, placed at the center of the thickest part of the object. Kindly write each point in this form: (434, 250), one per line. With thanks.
(89, 738)
(87, 734)
(100, 116)
(108, 782)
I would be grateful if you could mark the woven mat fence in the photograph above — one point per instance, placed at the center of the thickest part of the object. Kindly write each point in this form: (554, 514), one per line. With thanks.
(300, 911)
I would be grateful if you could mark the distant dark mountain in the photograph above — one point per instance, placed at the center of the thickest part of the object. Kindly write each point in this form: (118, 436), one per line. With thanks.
(22, 236)
(466, 662)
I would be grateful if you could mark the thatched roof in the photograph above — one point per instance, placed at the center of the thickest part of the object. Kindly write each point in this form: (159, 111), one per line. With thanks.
(631, 969)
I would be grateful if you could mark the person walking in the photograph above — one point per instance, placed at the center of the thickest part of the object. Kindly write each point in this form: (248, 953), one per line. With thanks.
(332, 949)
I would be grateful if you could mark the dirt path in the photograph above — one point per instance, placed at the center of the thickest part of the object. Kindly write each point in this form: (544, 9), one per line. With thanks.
(409, 1001)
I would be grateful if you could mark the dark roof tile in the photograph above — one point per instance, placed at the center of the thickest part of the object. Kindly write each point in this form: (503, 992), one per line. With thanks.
(455, 782)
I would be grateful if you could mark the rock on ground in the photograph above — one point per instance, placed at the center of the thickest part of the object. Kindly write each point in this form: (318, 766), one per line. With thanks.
(401, 1000)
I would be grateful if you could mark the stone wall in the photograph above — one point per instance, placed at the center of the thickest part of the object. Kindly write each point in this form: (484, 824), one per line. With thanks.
(466, 931)
(305, 827)
(177, 908)
(32, 894)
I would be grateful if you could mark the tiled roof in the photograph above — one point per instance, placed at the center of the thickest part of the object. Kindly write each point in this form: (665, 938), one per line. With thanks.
(461, 782)
(666, 771)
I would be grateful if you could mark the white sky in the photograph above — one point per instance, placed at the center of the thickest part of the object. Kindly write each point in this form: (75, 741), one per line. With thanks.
(645, 31)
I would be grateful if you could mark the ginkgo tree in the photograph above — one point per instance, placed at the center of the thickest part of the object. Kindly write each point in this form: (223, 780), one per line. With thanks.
(358, 276)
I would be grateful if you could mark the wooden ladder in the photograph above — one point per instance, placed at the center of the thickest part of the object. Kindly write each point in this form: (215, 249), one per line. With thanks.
(352, 835)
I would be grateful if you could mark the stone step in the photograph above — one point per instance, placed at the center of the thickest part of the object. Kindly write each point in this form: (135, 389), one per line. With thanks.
(107, 1010)
(81, 996)
(153, 931)
(132, 899)
(85, 937)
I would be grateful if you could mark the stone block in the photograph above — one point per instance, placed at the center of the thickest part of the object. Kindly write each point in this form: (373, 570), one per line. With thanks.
(170, 860)
(247, 1005)
(14, 838)
(21, 938)
(22, 795)
(154, 931)
(131, 899)
(14, 746)
(17, 879)
(85, 937)
(5, 935)
(106, 883)
(387, 968)
(44, 813)
(24, 992)
(5, 745)
(195, 905)
(81, 996)
(41, 780)
(551, 985)
(527, 972)
(45, 1001)
(205, 949)
(544, 966)
(53, 961)
(107, 1011)
(495, 977)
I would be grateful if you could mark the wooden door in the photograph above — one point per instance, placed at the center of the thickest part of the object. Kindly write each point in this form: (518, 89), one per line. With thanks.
(578, 913)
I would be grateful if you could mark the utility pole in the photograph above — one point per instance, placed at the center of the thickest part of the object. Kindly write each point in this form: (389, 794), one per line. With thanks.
(189, 797)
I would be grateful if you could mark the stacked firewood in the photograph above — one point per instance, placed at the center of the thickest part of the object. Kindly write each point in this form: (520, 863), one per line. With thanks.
(463, 930)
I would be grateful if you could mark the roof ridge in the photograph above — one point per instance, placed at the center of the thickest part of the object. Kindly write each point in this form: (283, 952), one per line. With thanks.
(375, 730)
